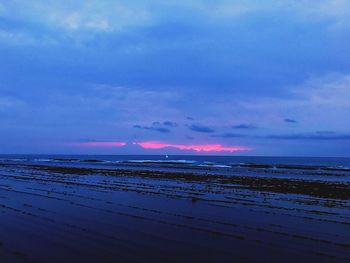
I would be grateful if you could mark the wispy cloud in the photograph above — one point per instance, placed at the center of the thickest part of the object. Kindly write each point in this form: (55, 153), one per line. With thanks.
(290, 120)
(324, 136)
(245, 126)
(9, 103)
(201, 128)
(80, 18)
(229, 135)
(163, 127)
(170, 123)
(153, 128)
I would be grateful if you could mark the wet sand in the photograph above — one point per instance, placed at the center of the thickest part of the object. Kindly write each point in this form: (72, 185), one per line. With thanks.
(66, 214)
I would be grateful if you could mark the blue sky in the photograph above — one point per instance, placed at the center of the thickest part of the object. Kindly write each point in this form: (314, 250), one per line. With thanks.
(123, 77)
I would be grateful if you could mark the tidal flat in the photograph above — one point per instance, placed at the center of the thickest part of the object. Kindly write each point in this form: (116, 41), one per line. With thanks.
(64, 213)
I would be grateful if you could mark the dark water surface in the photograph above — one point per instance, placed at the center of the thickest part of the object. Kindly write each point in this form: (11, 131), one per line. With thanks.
(175, 209)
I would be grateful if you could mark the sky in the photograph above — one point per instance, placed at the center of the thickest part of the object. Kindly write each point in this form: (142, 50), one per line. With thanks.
(238, 77)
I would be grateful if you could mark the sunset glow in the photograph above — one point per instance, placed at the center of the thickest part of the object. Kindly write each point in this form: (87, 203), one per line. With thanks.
(194, 147)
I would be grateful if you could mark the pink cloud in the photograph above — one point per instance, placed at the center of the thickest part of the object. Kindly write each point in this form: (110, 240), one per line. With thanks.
(101, 144)
(194, 147)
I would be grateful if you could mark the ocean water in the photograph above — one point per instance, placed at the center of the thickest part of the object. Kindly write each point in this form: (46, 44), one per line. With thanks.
(314, 168)
(329, 162)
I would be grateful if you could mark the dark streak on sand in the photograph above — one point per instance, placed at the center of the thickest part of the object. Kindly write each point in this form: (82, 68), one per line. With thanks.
(313, 188)
(70, 214)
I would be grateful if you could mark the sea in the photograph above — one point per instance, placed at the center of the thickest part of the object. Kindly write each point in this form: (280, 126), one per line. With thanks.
(311, 168)
(330, 162)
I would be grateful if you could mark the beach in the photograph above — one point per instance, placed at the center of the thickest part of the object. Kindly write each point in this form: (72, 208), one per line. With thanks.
(74, 210)
(140, 131)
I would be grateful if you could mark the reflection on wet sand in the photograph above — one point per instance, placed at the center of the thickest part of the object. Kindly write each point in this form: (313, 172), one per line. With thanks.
(68, 214)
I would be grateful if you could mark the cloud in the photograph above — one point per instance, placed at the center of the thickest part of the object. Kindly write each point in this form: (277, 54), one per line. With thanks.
(17, 38)
(210, 49)
(80, 15)
(88, 20)
(201, 129)
(245, 126)
(319, 135)
(335, 11)
(229, 135)
(158, 126)
(324, 136)
(317, 103)
(9, 103)
(289, 120)
(90, 110)
(118, 103)
(170, 123)
(194, 147)
(331, 89)
(153, 128)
